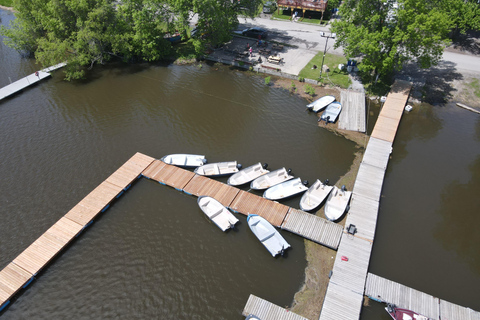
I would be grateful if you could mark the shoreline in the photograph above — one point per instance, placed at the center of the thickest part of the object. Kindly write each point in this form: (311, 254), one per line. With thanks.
(308, 301)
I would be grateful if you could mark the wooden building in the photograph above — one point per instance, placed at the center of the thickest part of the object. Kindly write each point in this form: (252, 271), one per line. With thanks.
(304, 5)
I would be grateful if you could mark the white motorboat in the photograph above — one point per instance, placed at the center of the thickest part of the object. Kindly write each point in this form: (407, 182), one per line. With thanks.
(337, 203)
(331, 112)
(320, 104)
(218, 169)
(267, 234)
(270, 179)
(217, 212)
(185, 160)
(315, 195)
(248, 174)
(285, 189)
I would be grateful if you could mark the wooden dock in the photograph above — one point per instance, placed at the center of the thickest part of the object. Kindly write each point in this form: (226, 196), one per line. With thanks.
(21, 271)
(345, 291)
(268, 311)
(383, 290)
(353, 115)
(27, 81)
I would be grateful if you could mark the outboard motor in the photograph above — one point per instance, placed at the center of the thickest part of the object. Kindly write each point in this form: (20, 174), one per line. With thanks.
(239, 166)
(305, 183)
(289, 171)
(265, 166)
(326, 182)
(344, 188)
(327, 120)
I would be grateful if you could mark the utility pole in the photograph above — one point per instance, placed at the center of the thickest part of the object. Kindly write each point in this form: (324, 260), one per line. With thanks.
(324, 35)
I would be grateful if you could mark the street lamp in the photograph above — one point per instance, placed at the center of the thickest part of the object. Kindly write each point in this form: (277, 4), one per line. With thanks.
(324, 35)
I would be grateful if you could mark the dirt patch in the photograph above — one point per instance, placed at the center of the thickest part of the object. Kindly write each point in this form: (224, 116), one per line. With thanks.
(467, 91)
(7, 8)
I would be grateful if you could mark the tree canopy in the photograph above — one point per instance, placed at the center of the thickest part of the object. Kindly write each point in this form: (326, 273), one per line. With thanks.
(85, 32)
(388, 33)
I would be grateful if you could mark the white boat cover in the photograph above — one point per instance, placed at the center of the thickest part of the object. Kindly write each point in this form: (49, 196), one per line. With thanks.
(247, 175)
(320, 104)
(220, 215)
(337, 203)
(185, 160)
(270, 179)
(285, 189)
(314, 196)
(267, 234)
(331, 113)
(217, 169)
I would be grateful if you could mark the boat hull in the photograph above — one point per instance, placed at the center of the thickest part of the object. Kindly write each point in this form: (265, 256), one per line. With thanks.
(320, 104)
(217, 212)
(247, 175)
(331, 112)
(337, 204)
(285, 190)
(267, 234)
(270, 179)
(217, 169)
(185, 160)
(404, 314)
(315, 196)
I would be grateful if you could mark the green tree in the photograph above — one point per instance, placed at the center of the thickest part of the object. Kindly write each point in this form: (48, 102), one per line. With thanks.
(464, 14)
(86, 32)
(388, 33)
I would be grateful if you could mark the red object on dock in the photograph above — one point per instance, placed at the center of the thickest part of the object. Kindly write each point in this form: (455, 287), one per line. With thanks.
(344, 258)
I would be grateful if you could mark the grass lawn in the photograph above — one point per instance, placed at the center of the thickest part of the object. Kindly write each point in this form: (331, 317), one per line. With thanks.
(475, 85)
(6, 3)
(339, 78)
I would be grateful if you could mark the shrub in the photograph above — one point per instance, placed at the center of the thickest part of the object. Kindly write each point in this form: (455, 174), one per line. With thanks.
(267, 80)
(293, 88)
(309, 90)
(301, 79)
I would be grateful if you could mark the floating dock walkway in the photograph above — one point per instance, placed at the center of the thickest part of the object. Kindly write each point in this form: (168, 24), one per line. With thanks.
(27, 81)
(383, 290)
(345, 291)
(268, 311)
(21, 271)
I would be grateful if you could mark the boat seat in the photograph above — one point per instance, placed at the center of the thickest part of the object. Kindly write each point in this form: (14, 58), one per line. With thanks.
(216, 213)
(206, 203)
(318, 186)
(268, 237)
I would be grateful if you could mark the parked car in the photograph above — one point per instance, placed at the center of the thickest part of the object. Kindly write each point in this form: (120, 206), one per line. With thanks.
(255, 33)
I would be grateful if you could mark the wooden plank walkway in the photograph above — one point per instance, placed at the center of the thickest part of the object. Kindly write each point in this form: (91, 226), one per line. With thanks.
(313, 228)
(27, 81)
(353, 256)
(353, 115)
(268, 311)
(384, 290)
(22, 270)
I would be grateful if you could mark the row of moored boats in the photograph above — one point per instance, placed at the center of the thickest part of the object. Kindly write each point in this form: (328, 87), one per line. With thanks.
(332, 108)
(278, 184)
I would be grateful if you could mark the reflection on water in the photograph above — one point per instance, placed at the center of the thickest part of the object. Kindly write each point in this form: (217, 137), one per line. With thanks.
(459, 211)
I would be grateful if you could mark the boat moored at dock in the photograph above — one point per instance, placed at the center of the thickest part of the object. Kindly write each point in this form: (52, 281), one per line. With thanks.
(337, 203)
(320, 104)
(270, 179)
(315, 195)
(267, 234)
(217, 212)
(185, 160)
(331, 112)
(286, 189)
(218, 169)
(248, 174)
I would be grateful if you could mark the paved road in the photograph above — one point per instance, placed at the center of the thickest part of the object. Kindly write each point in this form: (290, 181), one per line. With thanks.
(307, 37)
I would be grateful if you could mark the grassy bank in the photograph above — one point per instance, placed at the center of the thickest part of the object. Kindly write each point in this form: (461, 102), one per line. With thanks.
(334, 77)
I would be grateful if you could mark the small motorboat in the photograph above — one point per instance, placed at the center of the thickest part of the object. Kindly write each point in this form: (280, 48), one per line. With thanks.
(185, 160)
(270, 179)
(217, 212)
(320, 104)
(267, 234)
(252, 317)
(315, 195)
(403, 314)
(248, 174)
(218, 169)
(331, 112)
(285, 189)
(337, 203)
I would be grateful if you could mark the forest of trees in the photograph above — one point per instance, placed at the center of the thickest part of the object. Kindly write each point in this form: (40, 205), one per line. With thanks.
(86, 32)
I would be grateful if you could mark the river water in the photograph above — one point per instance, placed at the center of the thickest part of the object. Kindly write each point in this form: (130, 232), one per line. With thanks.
(153, 254)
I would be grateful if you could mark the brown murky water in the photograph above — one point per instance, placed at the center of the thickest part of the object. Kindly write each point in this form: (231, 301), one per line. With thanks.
(153, 254)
